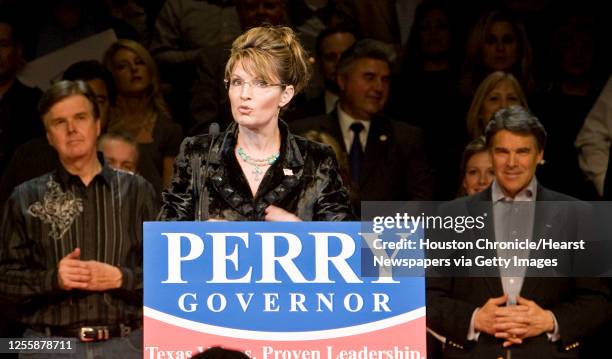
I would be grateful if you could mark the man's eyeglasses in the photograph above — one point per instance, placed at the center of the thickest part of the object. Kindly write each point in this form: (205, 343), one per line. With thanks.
(255, 83)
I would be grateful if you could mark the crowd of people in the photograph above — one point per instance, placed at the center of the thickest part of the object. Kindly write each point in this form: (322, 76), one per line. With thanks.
(218, 109)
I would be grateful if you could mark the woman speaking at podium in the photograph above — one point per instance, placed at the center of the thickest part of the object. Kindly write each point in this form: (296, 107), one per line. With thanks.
(257, 170)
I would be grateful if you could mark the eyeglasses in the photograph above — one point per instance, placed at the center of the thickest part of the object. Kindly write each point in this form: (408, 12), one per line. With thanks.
(255, 83)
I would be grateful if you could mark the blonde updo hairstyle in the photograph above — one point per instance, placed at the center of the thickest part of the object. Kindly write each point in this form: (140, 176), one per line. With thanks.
(273, 54)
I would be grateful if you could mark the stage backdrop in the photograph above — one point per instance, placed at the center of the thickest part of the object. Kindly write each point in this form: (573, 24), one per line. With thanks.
(275, 290)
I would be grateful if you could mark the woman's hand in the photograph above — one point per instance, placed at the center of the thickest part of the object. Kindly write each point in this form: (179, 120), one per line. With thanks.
(277, 214)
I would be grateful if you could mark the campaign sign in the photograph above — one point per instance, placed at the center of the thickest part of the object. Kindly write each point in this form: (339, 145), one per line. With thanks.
(274, 291)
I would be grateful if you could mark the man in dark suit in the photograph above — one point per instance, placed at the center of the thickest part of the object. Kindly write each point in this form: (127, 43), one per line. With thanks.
(387, 160)
(516, 314)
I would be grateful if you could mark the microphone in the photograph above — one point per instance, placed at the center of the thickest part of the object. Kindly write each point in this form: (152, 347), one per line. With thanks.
(213, 132)
(213, 129)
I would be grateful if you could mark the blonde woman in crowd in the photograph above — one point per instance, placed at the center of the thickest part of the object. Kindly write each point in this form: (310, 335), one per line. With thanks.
(141, 112)
(498, 42)
(498, 90)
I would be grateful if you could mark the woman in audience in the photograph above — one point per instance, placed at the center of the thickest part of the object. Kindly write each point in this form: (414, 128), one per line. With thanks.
(140, 110)
(476, 168)
(257, 170)
(498, 42)
(498, 90)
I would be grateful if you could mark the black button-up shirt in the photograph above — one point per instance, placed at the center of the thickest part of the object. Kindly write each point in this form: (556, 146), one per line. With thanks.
(48, 217)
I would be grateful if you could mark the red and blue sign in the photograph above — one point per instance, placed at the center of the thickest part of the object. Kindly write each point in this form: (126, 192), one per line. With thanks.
(274, 290)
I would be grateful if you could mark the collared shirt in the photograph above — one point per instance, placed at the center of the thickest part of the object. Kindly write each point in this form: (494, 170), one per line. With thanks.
(330, 101)
(526, 195)
(513, 220)
(345, 126)
(48, 217)
(405, 11)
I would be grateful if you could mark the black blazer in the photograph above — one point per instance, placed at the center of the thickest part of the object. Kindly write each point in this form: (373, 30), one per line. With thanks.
(395, 166)
(579, 304)
(303, 181)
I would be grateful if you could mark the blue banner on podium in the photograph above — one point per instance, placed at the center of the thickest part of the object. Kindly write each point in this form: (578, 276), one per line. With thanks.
(274, 290)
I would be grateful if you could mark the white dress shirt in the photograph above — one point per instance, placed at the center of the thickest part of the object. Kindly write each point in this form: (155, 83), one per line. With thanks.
(330, 101)
(345, 127)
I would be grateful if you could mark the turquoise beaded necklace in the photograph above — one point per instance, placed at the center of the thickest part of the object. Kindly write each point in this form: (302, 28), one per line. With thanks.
(257, 163)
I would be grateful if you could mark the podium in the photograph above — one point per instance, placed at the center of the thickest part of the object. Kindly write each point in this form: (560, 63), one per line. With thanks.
(274, 290)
